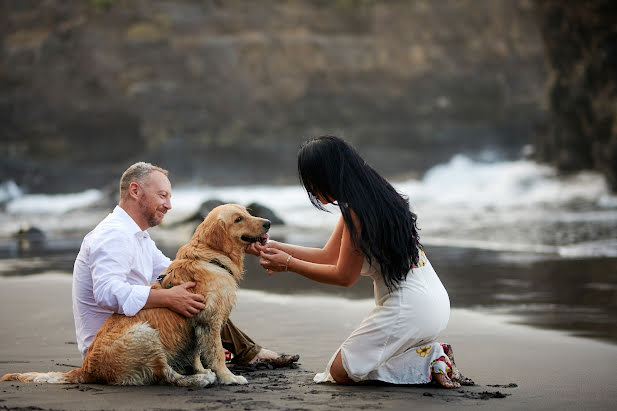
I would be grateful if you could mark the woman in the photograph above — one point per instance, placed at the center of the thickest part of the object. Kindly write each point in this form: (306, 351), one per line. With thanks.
(376, 236)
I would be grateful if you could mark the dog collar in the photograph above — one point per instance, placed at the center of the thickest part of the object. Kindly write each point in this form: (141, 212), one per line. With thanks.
(214, 261)
(161, 277)
(220, 264)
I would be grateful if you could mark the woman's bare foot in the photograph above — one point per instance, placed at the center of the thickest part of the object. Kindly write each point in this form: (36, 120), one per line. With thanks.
(444, 381)
(456, 373)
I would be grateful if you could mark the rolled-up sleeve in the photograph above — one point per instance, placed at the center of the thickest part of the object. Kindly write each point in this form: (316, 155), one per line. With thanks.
(110, 264)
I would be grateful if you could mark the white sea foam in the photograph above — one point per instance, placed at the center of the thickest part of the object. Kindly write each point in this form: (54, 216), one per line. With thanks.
(465, 203)
(9, 190)
(608, 201)
(463, 182)
(52, 203)
(289, 202)
(600, 248)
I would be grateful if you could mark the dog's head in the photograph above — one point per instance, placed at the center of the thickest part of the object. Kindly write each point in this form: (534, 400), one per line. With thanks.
(230, 227)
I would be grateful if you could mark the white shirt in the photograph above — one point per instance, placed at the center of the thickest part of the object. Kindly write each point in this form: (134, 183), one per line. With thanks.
(112, 274)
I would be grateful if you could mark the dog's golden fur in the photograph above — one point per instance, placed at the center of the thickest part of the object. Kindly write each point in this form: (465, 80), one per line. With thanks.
(158, 345)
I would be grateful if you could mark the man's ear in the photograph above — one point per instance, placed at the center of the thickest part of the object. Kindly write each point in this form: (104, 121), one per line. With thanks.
(134, 190)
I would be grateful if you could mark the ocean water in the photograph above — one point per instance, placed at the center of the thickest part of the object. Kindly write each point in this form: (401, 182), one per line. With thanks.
(503, 206)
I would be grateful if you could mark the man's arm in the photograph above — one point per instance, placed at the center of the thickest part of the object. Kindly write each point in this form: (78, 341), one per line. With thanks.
(110, 263)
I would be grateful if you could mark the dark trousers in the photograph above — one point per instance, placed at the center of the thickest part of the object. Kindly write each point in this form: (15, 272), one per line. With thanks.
(239, 344)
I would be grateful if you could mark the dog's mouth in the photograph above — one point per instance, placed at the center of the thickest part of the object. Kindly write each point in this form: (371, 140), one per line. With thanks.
(261, 239)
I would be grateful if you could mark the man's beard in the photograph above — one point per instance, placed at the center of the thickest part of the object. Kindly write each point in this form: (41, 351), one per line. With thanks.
(148, 213)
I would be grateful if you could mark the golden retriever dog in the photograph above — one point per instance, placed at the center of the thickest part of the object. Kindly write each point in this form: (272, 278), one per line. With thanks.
(157, 345)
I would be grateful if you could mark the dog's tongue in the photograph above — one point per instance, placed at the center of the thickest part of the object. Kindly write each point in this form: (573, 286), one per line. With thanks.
(264, 238)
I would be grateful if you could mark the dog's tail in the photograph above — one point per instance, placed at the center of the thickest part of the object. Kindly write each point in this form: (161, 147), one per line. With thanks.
(71, 377)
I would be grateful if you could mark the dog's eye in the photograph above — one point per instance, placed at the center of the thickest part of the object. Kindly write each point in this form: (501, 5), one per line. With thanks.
(238, 220)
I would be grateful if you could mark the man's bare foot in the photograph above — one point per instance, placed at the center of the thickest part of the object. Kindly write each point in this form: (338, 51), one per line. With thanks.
(444, 381)
(265, 356)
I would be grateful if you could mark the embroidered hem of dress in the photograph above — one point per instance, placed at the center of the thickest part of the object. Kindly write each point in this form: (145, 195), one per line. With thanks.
(414, 366)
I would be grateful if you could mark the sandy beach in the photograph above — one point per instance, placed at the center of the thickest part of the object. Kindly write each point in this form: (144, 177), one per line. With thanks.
(514, 366)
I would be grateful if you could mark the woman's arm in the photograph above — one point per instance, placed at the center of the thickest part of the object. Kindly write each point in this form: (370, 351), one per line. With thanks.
(327, 255)
(343, 271)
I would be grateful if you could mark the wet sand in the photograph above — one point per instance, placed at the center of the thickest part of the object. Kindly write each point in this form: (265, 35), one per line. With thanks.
(514, 366)
(577, 295)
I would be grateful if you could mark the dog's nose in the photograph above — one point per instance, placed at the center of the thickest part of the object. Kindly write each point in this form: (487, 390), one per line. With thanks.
(266, 224)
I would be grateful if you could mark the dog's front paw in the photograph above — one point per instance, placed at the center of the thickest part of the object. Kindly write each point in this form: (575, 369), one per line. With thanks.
(205, 379)
(232, 379)
(208, 375)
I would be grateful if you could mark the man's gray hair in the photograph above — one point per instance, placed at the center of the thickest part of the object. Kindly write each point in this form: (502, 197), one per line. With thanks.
(137, 173)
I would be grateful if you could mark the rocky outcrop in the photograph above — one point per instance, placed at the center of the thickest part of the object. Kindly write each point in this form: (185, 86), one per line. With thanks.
(226, 91)
(581, 53)
(260, 210)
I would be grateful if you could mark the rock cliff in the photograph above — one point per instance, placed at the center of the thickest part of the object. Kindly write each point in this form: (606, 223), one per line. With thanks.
(225, 91)
(581, 53)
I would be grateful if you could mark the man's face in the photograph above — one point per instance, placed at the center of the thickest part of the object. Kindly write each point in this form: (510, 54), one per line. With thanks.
(155, 198)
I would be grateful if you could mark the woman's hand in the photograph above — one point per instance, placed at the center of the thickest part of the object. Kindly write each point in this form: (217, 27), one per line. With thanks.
(253, 249)
(274, 260)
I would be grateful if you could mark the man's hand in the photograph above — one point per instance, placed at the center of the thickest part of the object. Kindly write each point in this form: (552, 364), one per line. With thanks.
(184, 302)
(178, 299)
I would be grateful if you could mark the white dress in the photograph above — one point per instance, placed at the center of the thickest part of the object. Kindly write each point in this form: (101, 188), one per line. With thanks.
(396, 342)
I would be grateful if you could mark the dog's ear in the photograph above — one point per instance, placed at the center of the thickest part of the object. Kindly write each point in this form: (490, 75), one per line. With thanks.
(216, 236)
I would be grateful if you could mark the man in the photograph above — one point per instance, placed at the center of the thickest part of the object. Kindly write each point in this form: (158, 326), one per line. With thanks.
(118, 260)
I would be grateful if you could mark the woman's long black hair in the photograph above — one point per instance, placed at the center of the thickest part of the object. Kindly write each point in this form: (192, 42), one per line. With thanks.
(330, 167)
